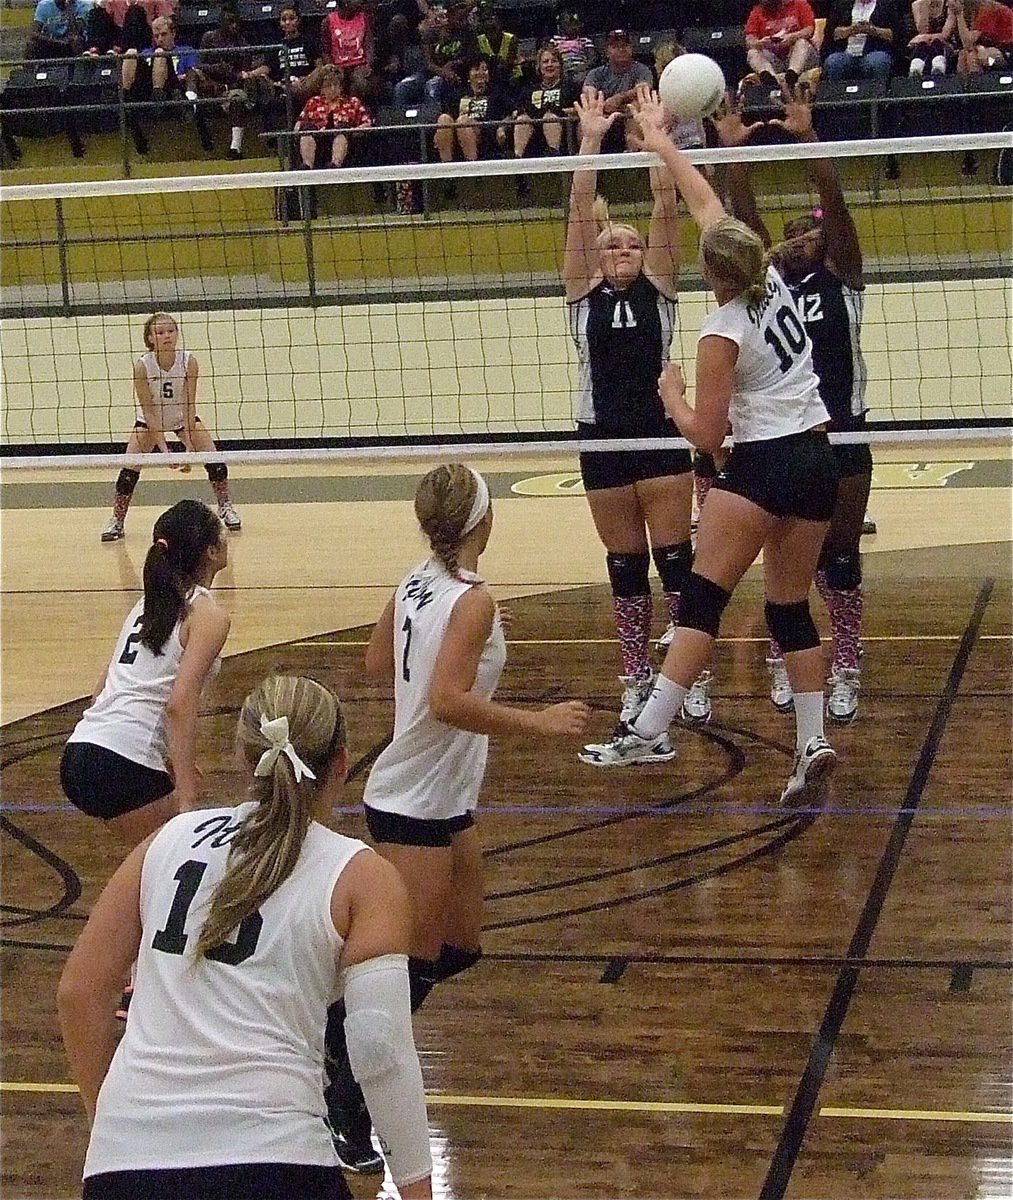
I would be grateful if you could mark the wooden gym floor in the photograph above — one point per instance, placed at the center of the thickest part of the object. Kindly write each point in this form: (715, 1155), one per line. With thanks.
(687, 992)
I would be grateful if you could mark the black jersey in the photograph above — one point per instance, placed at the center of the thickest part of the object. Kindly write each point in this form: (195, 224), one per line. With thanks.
(622, 338)
(832, 314)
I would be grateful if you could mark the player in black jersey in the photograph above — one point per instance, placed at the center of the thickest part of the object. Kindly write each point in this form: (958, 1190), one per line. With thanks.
(821, 261)
(621, 299)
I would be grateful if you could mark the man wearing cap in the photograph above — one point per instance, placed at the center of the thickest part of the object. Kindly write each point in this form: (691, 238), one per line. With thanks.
(617, 79)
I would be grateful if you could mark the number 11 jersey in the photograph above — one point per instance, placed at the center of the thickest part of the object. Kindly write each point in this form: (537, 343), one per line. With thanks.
(430, 770)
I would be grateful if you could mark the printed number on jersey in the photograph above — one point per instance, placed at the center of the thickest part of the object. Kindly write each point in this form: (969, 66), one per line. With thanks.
(173, 938)
(791, 341)
(167, 389)
(129, 654)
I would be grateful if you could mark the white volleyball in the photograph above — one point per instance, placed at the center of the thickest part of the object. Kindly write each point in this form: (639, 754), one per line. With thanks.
(692, 85)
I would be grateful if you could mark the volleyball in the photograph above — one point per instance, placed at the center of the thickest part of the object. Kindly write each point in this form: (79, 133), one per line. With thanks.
(692, 85)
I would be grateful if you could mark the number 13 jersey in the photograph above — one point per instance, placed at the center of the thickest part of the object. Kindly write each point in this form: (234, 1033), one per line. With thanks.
(775, 391)
(430, 770)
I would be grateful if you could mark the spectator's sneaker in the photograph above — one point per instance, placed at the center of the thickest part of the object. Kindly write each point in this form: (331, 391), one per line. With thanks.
(812, 766)
(113, 531)
(780, 686)
(231, 518)
(696, 708)
(635, 695)
(842, 703)
(233, 155)
(626, 749)
(666, 638)
(869, 526)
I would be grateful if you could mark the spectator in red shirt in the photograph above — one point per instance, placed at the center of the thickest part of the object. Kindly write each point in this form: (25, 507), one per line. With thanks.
(346, 40)
(334, 109)
(985, 32)
(779, 40)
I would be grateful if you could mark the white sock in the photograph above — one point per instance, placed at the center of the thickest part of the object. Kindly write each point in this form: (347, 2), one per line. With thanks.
(658, 713)
(190, 94)
(808, 718)
(917, 68)
(939, 65)
(237, 138)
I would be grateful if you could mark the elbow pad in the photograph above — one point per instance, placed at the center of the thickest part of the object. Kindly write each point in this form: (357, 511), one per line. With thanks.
(384, 1061)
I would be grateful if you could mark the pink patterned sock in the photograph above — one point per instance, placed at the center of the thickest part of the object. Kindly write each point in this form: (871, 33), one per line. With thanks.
(633, 624)
(775, 649)
(845, 610)
(672, 604)
(702, 485)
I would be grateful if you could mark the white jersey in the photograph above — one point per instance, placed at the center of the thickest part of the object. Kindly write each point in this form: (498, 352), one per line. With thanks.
(222, 1061)
(128, 717)
(430, 770)
(775, 391)
(168, 390)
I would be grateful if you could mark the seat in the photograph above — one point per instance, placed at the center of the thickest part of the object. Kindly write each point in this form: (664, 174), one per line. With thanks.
(726, 44)
(30, 90)
(93, 81)
(922, 107)
(194, 20)
(848, 108)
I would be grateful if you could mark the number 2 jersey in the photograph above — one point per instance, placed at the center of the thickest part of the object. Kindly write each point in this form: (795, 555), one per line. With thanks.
(775, 391)
(128, 717)
(222, 1059)
(168, 390)
(430, 770)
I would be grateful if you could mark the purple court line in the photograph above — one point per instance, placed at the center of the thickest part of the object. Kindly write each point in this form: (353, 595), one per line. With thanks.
(607, 810)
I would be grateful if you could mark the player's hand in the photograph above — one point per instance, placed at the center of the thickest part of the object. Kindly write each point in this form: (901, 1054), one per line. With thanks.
(568, 719)
(729, 125)
(798, 113)
(594, 123)
(650, 113)
(672, 386)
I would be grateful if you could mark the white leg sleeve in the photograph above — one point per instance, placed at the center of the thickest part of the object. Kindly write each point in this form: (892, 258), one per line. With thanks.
(382, 1055)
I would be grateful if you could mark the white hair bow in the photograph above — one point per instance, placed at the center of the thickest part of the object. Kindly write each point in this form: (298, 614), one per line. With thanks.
(276, 732)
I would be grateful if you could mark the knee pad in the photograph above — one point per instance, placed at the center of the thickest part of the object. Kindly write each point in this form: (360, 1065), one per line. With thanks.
(704, 465)
(792, 625)
(702, 604)
(423, 976)
(674, 564)
(628, 573)
(842, 569)
(217, 472)
(453, 960)
(126, 481)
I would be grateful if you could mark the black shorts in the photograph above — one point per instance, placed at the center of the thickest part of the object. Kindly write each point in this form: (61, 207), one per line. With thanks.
(414, 831)
(104, 784)
(623, 468)
(793, 476)
(852, 458)
(265, 1181)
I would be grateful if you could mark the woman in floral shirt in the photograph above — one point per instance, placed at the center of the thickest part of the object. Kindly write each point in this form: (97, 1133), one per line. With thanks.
(334, 109)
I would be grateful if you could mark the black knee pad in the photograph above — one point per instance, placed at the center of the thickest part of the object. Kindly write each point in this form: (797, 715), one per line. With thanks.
(843, 569)
(629, 574)
(792, 625)
(217, 472)
(126, 481)
(453, 960)
(702, 604)
(423, 976)
(674, 564)
(704, 465)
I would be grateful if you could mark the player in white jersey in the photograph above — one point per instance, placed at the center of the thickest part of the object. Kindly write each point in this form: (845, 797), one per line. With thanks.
(245, 923)
(440, 640)
(116, 764)
(777, 490)
(165, 385)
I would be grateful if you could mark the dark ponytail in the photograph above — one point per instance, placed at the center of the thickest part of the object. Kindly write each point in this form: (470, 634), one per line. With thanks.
(181, 537)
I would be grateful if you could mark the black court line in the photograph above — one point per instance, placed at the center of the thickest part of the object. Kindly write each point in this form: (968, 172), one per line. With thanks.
(803, 1105)
(69, 877)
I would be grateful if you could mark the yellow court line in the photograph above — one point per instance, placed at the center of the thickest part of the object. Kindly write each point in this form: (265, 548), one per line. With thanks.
(898, 637)
(646, 1106)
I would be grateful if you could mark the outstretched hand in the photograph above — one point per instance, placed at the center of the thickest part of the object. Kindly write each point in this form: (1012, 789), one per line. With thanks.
(650, 113)
(798, 113)
(728, 124)
(590, 108)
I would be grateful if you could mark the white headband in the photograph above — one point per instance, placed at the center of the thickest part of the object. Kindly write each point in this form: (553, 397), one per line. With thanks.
(276, 732)
(479, 506)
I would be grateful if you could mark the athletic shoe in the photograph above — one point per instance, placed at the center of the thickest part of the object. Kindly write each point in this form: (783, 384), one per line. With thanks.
(869, 526)
(113, 531)
(666, 638)
(780, 686)
(811, 768)
(842, 703)
(635, 696)
(231, 518)
(627, 748)
(696, 708)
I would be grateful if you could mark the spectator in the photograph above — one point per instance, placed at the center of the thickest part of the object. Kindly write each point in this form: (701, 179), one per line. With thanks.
(617, 79)
(579, 54)
(448, 44)
(334, 109)
(346, 40)
(779, 40)
(498, 45)
(59, 29)
(932, 43)
(118, 25)
(860, 37)
(167, 64)
(472, 128)
(985, 30)
(229, 74)
(399, 62)
(539, 122)
(300, 65)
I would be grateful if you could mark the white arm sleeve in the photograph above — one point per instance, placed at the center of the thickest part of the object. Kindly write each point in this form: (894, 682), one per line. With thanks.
(382, 1055)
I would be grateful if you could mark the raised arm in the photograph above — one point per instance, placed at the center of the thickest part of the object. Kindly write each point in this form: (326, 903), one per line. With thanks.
(733, 131)
(663, 255)
(704, 206)
(581, 265)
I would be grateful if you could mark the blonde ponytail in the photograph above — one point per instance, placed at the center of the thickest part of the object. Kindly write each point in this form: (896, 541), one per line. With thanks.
(443, 503)
(733, 254)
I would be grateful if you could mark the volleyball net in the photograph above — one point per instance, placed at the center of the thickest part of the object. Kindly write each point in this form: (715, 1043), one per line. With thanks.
(326, 323)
